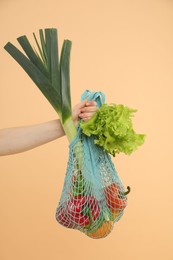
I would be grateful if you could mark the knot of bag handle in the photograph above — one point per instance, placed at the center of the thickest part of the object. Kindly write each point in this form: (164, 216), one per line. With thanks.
(98, 97)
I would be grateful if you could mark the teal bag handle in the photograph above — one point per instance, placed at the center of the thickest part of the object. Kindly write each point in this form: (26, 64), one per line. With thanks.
(99, 97)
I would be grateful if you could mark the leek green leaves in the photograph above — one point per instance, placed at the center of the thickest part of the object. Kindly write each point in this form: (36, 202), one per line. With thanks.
(50, 75)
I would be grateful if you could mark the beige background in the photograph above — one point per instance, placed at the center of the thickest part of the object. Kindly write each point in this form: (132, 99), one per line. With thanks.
(125, 49)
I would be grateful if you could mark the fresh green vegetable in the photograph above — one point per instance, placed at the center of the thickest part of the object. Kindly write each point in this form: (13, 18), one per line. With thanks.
(113, 130)
(51, 76)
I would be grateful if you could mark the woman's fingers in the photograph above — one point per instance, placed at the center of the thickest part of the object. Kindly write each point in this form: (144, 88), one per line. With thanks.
(84, 110)
(89, 107)
(88, 110)
(86, 118)
(86, 115)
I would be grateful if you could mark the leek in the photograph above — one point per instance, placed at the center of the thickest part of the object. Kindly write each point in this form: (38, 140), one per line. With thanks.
(49, 74)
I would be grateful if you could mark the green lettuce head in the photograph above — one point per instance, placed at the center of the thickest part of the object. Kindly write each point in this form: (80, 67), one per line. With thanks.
(113, 130)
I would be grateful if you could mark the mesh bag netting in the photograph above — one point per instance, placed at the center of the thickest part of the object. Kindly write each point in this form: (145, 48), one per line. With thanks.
(93, 198)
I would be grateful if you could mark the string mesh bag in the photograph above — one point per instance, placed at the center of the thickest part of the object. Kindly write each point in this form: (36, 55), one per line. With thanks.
(93, 198)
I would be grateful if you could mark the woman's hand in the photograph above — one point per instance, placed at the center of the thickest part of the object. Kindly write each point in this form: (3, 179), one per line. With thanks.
(21, 139)
(84, 110)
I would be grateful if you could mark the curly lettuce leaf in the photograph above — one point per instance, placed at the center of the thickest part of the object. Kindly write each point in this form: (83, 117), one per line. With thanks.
(113, 130)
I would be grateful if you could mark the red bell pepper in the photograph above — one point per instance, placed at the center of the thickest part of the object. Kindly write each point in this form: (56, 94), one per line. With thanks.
(63, 218)
(94, 208)
(75, 210)
(116, 199)
(71, 215)
(83, 210)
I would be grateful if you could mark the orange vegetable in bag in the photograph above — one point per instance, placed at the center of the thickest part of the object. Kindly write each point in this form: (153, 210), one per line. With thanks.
(116, 199)
(102, 231)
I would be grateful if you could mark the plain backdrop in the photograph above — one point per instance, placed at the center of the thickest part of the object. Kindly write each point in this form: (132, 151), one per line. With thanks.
(124, 49)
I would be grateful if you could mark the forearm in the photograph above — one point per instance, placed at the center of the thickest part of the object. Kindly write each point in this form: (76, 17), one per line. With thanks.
(20, 139)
